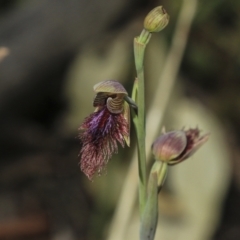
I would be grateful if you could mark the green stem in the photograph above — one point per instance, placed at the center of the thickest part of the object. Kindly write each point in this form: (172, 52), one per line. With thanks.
(140, 44)
(150, 217)
(133, 113)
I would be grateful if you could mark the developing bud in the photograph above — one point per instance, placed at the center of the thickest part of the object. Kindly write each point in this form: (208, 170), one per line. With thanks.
(156, 20)
(176, 146)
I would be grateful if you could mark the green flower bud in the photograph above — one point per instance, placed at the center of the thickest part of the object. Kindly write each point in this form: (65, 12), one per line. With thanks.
(156, 20)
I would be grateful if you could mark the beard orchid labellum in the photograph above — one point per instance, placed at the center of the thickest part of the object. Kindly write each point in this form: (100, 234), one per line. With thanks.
(107, 126)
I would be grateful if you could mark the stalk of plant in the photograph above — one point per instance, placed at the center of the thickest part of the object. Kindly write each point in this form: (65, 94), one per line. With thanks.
(169, 149)
(150, 216)
(155, 21)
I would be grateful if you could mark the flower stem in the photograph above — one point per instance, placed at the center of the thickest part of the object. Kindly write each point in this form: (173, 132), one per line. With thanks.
(150, 217)
(140, 44)
(134, 98)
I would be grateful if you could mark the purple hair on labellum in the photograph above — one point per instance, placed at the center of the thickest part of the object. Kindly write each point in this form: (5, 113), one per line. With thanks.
(102, 130)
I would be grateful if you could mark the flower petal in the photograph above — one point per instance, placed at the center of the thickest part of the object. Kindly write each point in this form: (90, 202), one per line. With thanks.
(110, 86)
(169, 146)
(100, 133)
(194, 142)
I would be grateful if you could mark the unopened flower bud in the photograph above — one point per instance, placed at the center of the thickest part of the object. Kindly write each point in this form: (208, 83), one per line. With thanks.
(156, 20)
(176, 146)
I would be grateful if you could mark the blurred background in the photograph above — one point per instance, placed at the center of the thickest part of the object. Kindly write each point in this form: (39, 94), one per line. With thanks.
(51, 54)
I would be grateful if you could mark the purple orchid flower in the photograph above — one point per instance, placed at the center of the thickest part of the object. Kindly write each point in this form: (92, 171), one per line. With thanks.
(107, 126)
